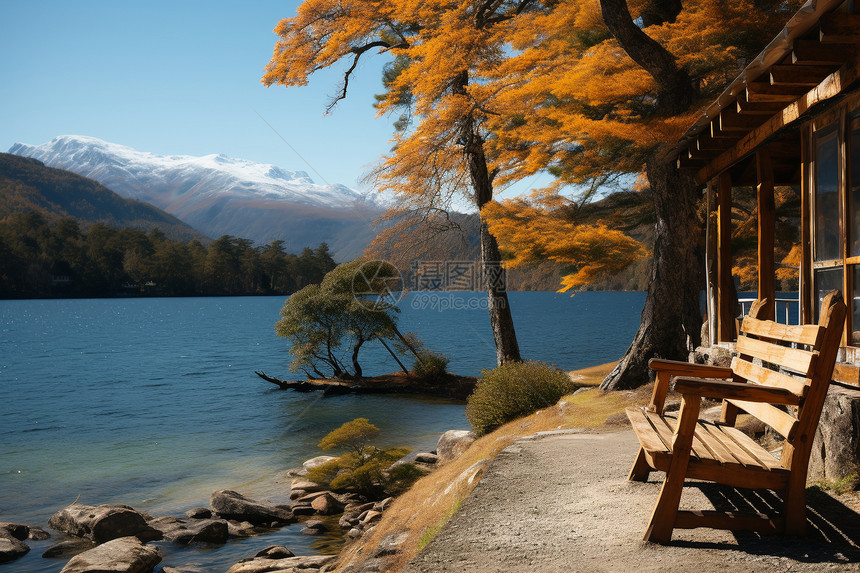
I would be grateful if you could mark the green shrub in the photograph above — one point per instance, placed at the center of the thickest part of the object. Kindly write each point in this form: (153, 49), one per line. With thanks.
(363, 468)
(514, 390)
(433, 366)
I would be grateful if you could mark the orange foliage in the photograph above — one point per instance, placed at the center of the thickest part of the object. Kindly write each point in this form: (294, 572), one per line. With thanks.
(531, 233)
(542, 86)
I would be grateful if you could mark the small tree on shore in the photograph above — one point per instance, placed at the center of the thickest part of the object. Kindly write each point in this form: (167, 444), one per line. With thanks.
(352, 306)
(363, 468)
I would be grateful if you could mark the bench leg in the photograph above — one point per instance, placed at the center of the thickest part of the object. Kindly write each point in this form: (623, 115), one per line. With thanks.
(665, 511)
(795, 511)
(641, 468)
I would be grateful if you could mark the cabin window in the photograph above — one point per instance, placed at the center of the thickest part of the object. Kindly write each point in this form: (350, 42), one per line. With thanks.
(828, 239)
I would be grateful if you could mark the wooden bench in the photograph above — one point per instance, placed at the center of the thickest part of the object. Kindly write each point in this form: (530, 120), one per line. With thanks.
(780, 376)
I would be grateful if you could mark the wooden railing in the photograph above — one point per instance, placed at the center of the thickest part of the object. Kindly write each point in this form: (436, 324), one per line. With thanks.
(787, 310)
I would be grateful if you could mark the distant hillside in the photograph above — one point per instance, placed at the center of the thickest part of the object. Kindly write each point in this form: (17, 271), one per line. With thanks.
(27, 184)
(221, 195)
(630, 212)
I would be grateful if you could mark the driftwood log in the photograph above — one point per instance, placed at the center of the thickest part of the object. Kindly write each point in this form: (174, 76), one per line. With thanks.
(451, 386)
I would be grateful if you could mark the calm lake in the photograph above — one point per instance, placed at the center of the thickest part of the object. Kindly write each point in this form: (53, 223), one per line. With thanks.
(154, 402)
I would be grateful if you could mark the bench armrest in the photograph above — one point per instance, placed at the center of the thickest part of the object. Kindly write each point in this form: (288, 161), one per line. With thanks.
(710, 388)
(666, 369)
(678, 368)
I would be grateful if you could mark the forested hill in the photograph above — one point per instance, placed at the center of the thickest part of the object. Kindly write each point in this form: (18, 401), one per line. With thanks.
(28, 185)
(411, 247)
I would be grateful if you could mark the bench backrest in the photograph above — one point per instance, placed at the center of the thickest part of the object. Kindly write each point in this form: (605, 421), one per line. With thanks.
(799, 358)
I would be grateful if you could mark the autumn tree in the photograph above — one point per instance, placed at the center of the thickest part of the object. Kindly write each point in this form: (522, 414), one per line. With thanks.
(606, 88)
(440, 51)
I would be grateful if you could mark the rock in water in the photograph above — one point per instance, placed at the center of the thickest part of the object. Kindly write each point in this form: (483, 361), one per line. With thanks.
(185, 531)
(122, 555)
(265, 564)
(11, 548)
(103, 523)
(326, 504)
(233, 505)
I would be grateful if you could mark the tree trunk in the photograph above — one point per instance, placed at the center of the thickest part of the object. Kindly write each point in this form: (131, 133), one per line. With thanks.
(494, 276)
(671, 320)
(355, 365)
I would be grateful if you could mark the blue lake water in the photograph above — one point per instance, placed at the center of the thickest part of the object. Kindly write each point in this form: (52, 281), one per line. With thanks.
(154, 402)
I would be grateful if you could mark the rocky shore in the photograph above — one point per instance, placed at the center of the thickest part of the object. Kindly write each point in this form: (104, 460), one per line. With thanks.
(116, 537)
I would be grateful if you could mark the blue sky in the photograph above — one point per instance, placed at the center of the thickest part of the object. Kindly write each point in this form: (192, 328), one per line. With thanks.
(180, 78)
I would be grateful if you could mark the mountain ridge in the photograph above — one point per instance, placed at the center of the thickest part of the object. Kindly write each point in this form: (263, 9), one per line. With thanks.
(28, 184)
(219, 195)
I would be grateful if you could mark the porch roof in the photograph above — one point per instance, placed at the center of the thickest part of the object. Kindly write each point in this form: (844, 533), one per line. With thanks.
(811, 60)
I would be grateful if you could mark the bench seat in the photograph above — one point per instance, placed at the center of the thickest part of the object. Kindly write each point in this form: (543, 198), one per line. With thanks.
(717, 449)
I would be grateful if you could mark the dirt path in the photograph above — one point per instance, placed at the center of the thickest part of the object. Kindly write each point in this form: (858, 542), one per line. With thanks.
(561, 503)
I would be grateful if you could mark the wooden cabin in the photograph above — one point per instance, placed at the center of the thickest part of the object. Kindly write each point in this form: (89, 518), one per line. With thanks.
(792, 118)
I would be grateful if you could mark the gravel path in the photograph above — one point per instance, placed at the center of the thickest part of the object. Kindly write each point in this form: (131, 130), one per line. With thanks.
(561, 503)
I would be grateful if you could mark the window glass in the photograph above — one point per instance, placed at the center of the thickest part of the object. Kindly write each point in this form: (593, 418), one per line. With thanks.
(855, 336)
(828, 244)
(854, 213)
(826, 280)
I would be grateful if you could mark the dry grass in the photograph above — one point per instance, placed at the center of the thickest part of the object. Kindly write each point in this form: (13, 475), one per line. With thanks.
(424, 509)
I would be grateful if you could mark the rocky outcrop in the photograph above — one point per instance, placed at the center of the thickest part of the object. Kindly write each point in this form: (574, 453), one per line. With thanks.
(452, 444)
(326, 504)
(266, 564)
(836, 449)
(122, 555)
(103, 522)
(185, 531)
(230, 504)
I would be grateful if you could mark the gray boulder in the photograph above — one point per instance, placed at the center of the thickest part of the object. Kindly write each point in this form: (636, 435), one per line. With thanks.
(11, 547)
(317, 461)
(230, 504)
(326, 504)
(122, 555)
(836, 449)
(184, 532)
(452, 444)
(103, 522)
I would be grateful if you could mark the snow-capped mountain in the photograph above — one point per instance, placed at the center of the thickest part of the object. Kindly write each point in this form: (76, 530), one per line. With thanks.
(221, 195)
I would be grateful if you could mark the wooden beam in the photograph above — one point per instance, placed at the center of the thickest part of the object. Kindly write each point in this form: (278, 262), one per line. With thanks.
(840, 28)
(765, 92)
(726, 297)
(745, 107)
(797, 75)
(730, 120)
(814, 53)
(832, 86)
(766, 232)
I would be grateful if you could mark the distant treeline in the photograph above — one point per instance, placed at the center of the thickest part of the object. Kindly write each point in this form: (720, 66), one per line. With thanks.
(41, 257)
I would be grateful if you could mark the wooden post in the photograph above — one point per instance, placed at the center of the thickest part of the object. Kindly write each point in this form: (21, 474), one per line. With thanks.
(807, 304)
(726, 297)
(766, 230)
(711, 265)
